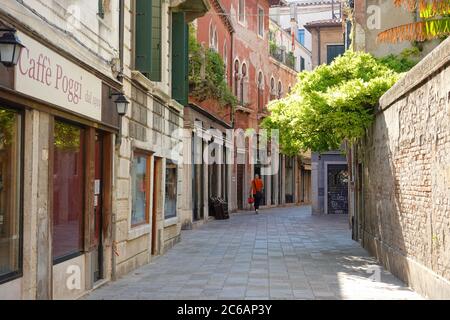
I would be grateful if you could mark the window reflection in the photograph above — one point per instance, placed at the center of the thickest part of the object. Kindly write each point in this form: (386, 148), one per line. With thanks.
(10, 169)
(170, 205)
(140, 192)
(68, 200)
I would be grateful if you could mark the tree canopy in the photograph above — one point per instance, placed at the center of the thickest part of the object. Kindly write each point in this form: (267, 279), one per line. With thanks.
(330, 104)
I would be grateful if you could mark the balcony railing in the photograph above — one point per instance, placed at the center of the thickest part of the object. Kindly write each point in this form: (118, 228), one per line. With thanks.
(286, 58)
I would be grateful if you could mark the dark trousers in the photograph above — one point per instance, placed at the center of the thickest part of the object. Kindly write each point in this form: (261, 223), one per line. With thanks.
(258, 197)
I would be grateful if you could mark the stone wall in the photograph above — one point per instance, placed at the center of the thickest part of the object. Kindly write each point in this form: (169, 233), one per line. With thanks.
(405, 221)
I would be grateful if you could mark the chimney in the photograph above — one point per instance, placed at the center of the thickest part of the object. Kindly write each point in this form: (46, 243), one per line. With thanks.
(294, 24)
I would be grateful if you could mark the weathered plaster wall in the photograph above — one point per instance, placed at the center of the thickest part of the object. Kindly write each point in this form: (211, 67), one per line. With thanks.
(406, 180)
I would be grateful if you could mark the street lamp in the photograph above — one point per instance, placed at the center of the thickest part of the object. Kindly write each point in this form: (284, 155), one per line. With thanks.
(10, 47)
(121, 104)
(122, 108)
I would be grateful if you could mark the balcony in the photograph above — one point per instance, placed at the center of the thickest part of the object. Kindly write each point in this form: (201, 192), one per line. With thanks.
(286, 58)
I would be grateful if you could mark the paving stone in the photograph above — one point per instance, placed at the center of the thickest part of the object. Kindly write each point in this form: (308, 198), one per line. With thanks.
(284, 253)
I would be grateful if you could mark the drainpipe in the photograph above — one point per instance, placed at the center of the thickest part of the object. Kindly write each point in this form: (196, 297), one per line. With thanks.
(120, 78)
(318, 46)
(121, 37)
(231, 66)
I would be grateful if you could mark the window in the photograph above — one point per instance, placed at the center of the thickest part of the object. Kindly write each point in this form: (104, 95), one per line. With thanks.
(302, 63)
(10, 190)
(260, 91)
(333, 51)
(301, 36)
(272, 88)
(170, 203)
(236, 77)
(140, 181)
(148, 31)
(280, 90)
(225, 60)
(261, 22)
(68, 190)
(244, 74)
(213, 38)
(241, 10)
(101, 9)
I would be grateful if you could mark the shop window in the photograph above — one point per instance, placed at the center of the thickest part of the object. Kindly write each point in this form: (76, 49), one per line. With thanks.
(140, 179)
(68, 187)
(170, 204)
(10, 190)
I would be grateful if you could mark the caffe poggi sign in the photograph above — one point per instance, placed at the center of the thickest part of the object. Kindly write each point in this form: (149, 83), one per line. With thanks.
(46, 75)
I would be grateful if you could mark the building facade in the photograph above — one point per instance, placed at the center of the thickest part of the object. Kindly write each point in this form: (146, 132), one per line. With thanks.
(58, 123)
(207, 121)
(149, 198)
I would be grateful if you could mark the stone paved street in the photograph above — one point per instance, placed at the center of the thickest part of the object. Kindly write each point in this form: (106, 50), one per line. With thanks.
(279, 254)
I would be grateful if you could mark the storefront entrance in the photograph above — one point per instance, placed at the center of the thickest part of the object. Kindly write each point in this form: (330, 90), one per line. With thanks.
(98, 209)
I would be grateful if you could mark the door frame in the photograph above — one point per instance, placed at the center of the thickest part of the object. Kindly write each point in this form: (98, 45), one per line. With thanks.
(326, 163)
(156, 203)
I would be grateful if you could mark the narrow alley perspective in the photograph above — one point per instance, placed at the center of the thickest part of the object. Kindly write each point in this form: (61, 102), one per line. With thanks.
(225, 150)
(282, 253)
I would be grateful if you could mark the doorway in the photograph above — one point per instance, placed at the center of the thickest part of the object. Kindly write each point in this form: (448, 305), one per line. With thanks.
(156, 207)
(98, 208)
(336, 188)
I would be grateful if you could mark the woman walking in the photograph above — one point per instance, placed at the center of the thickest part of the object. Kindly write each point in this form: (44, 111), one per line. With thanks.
(256, 190)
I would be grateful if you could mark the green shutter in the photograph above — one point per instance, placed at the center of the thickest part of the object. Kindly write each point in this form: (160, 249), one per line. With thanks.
(155, 73)
(180, 35)
(143, 37)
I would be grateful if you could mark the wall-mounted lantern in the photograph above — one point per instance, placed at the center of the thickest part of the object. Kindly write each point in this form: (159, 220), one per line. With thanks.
(10, 47)
(122, 108)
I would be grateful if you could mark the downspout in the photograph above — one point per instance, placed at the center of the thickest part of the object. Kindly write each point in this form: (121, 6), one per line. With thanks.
(121, 37)
(318, 46)
(231, 66)
(120, 78)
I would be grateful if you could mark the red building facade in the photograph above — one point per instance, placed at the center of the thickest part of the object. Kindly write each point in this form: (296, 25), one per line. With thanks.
(239, 31)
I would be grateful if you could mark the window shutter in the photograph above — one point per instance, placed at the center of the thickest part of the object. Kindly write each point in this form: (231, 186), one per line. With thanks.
(180, 34)
(143, 37)
(155, 73)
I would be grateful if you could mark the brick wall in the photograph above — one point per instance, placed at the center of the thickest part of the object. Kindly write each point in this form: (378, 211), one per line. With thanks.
(405, 219)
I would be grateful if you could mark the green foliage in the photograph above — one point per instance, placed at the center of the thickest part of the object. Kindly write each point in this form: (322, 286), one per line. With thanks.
(402, 62)
(207, 74)
(330, 104)
(67, 137)
(7, 119)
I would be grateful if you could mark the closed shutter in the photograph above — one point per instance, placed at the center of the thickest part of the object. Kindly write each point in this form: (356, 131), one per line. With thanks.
(156, 67)
(180, 34)
(334, 51)
(143, 37)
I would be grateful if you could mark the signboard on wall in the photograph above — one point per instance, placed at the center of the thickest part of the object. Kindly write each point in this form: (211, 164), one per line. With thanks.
(46, 75)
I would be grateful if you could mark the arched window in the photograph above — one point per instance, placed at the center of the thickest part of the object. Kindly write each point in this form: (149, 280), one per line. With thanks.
(260, 91)
(216, 40)
(280, 89)
(213, 39)
(211, 34)
(272, 88)
(244, 74)
(225, 60)
(236, 77)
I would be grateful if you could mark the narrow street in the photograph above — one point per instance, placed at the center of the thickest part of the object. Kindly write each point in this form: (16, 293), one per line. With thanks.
(279, 254)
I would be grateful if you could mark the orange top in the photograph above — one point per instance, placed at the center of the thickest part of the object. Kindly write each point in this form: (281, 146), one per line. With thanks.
(257, 185)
